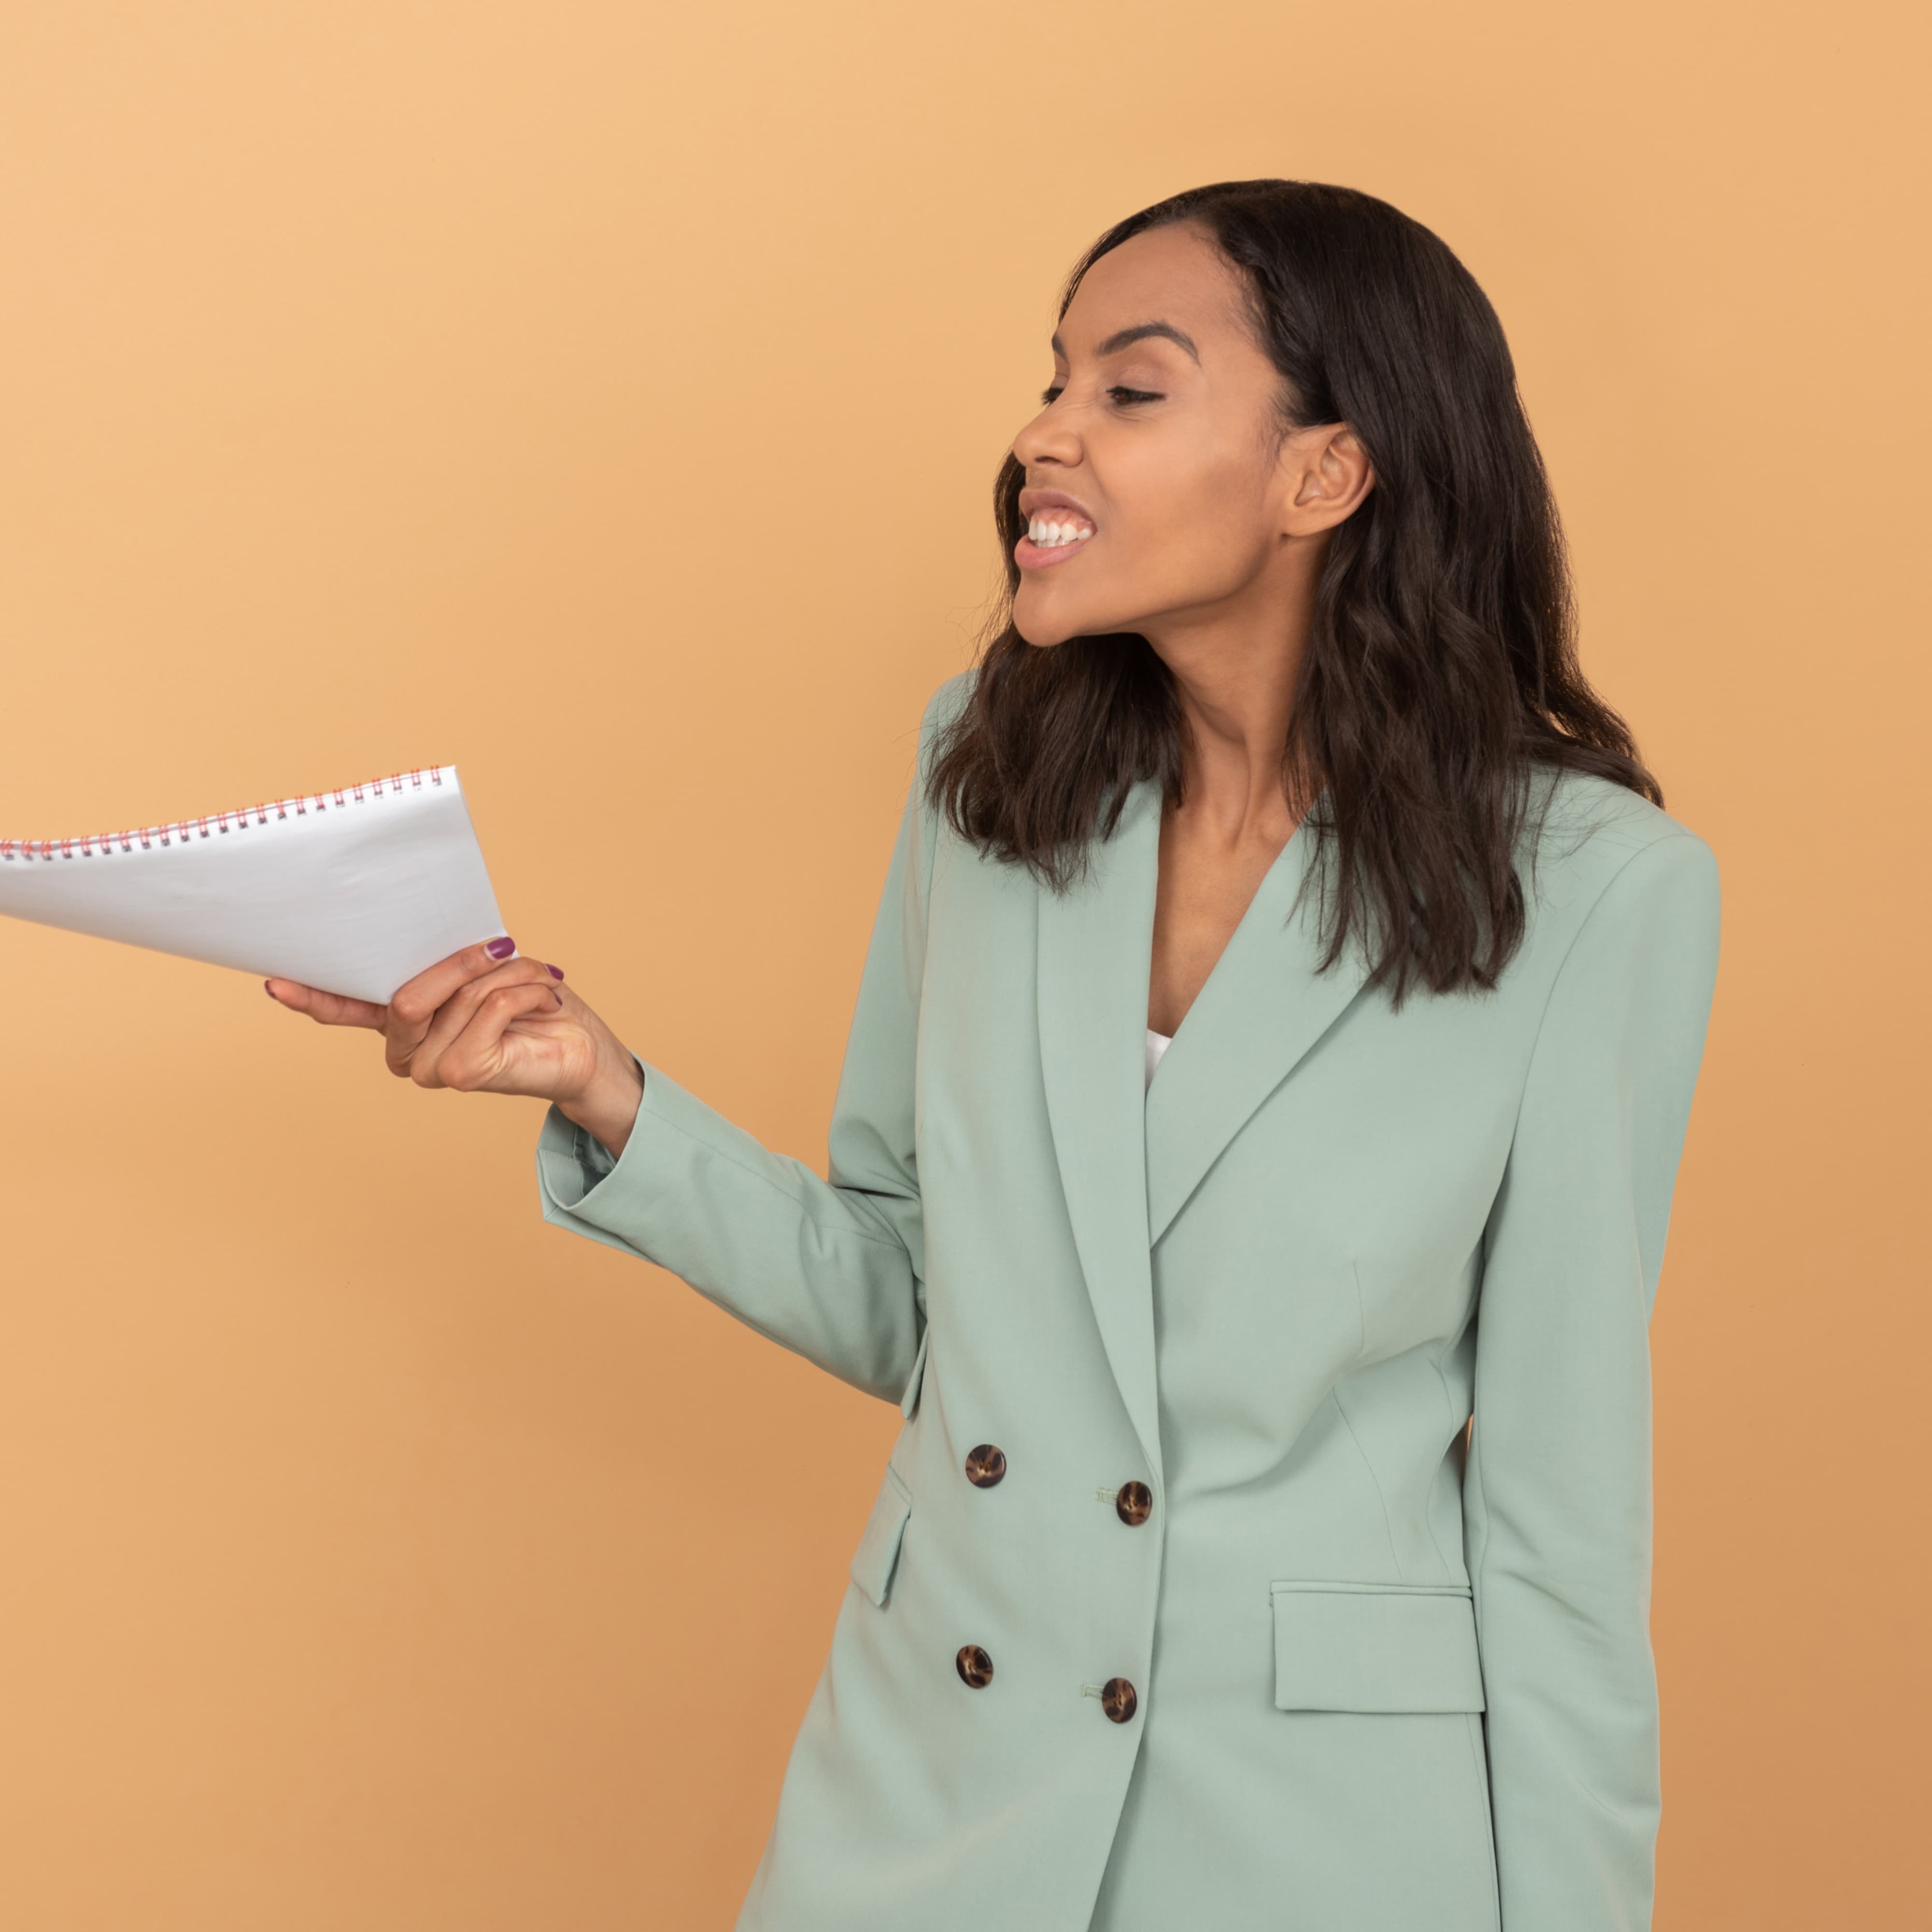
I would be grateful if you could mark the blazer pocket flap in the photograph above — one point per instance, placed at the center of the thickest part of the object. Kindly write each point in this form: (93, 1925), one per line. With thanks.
(878, 1552)
(1375, 1647)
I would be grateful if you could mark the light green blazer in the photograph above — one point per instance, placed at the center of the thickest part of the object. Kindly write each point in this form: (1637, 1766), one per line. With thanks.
(1372, 1691)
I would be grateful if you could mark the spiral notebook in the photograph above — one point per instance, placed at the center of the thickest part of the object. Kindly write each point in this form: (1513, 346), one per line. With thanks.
(353, 891)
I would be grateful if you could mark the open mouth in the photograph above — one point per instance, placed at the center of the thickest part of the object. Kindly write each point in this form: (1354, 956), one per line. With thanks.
(1052, 536)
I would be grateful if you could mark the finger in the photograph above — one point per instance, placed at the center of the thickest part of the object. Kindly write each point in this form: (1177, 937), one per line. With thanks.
(475, 1055)
(324, 1009)
(410, 1044)
(412, 1048)
(413, 1006)
(415, 1001)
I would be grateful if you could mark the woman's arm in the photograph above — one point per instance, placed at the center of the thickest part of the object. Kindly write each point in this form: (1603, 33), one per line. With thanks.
(832, 1269)
(1558, 1491)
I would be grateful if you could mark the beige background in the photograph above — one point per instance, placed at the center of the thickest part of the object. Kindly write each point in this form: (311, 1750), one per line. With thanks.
(605, 397)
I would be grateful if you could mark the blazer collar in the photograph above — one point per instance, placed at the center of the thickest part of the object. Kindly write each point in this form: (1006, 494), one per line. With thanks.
(1096, 945)
(1129, 1158)
(1265, 1005)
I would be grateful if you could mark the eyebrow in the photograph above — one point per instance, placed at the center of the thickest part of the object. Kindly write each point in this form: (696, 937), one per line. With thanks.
(1125, 338)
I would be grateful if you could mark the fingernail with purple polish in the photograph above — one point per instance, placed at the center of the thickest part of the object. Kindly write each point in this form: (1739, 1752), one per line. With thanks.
(556, 972)
(500, 949)
(557, 996)
(268, 989)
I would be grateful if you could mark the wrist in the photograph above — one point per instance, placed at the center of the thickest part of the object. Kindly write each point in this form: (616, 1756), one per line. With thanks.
(606, 1109)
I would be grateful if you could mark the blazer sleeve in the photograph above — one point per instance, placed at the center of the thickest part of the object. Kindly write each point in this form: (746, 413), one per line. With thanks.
(835, 1268)
(1558, 1490)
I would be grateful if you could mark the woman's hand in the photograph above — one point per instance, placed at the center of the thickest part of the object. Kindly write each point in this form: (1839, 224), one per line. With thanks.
(485, 1024)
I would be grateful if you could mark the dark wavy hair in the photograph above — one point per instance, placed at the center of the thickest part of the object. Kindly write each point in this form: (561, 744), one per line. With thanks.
(1440, 679)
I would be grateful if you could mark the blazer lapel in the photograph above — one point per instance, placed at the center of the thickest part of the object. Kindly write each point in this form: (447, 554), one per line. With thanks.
(1264, 1006)
(1095, 944)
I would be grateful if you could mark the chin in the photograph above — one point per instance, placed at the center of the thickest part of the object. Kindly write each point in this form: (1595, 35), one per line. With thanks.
(1041, 638)
(1043, 629)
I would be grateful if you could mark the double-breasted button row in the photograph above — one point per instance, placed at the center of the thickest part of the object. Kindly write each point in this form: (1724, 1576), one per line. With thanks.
(1133, 1504)
(1118, 1698)
(986, 1467)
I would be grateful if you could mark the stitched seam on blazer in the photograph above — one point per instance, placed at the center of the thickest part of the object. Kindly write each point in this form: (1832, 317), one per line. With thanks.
(1388, 1521)
(1361, 1312)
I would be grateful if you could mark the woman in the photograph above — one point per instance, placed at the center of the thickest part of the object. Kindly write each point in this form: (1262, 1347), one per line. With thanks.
(1179, 1605)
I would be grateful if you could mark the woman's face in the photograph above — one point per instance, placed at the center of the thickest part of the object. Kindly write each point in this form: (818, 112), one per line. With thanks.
(1160, 487)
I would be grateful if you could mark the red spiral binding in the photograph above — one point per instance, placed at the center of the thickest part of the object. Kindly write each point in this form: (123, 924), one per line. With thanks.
(179, 831)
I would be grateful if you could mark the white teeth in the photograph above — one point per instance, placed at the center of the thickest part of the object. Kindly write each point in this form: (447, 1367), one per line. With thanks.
(1047, 536)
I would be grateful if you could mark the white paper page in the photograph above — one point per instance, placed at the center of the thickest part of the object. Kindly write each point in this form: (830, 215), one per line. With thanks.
(353, 891)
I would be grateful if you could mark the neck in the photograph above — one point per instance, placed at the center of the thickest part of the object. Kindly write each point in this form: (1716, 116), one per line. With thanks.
(1237, 674)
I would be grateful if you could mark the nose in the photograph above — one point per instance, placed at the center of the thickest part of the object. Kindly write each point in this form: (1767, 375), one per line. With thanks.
(1048, 438)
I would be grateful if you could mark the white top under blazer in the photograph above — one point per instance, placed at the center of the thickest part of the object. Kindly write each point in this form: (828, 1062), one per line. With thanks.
(1157, 1043)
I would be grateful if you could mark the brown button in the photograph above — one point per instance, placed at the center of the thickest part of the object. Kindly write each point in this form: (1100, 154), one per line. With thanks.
(1116, 1698)
(986, 1465)
(976, 1669)
(1133, 1506)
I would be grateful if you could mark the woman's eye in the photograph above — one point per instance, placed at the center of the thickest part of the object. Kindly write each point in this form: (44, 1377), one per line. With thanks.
(1120, 395)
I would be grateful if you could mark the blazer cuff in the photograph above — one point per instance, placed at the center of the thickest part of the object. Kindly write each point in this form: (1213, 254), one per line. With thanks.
(586, 1188)
(572, 1163)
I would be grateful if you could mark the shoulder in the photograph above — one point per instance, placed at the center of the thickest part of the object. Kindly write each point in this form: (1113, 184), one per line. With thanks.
(943, 707)
(1607, 870)
(1584, 833)
(943, 710)
(925, 818)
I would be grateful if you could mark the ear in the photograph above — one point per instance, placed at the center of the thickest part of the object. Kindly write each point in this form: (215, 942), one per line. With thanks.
(1329, 473)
